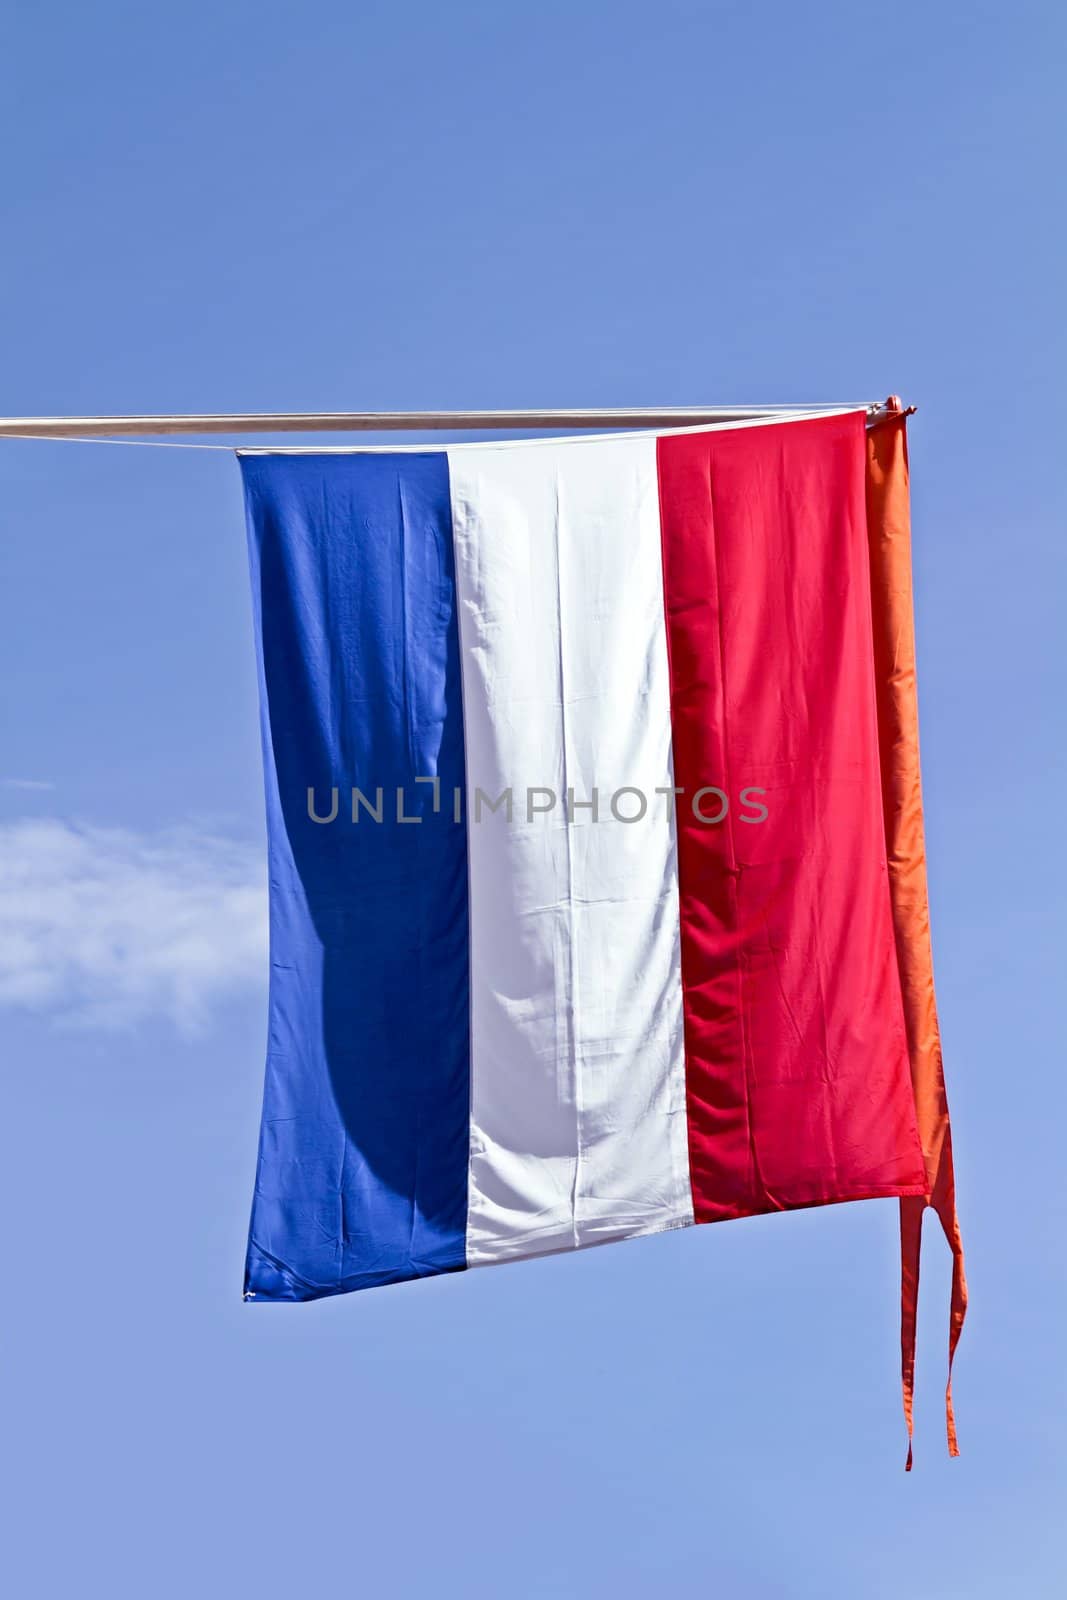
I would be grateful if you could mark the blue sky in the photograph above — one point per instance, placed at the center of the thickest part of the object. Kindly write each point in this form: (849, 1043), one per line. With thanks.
(343, 206)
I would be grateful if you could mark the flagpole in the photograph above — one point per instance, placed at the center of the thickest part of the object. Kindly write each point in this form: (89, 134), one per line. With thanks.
(409, 421)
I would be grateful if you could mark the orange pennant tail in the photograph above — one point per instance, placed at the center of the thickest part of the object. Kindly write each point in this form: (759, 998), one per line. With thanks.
(889, 535)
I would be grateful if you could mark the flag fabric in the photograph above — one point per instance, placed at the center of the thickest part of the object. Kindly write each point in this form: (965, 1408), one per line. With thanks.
(585, 924)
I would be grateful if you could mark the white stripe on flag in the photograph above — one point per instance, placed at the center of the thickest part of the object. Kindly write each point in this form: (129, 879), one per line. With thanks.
(578, 1111)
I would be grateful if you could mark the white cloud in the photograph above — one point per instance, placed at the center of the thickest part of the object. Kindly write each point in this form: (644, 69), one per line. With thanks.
(104, 927)
(25, 783)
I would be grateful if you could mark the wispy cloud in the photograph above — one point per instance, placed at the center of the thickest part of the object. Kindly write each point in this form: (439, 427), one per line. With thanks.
(26, 783)
(104, 927)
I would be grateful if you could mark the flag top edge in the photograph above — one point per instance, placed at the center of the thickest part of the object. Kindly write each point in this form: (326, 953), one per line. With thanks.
(548, 439)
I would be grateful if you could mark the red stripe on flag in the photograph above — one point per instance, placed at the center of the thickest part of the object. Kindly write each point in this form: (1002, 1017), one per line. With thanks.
(797, 1077)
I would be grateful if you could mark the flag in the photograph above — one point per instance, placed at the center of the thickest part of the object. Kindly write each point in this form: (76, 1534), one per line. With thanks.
(585, 922)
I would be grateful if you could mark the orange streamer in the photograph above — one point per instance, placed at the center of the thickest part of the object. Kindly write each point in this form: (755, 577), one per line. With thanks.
(889, 536)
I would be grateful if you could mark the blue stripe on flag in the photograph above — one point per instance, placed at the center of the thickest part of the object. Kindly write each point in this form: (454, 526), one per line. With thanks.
(362, 1175)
